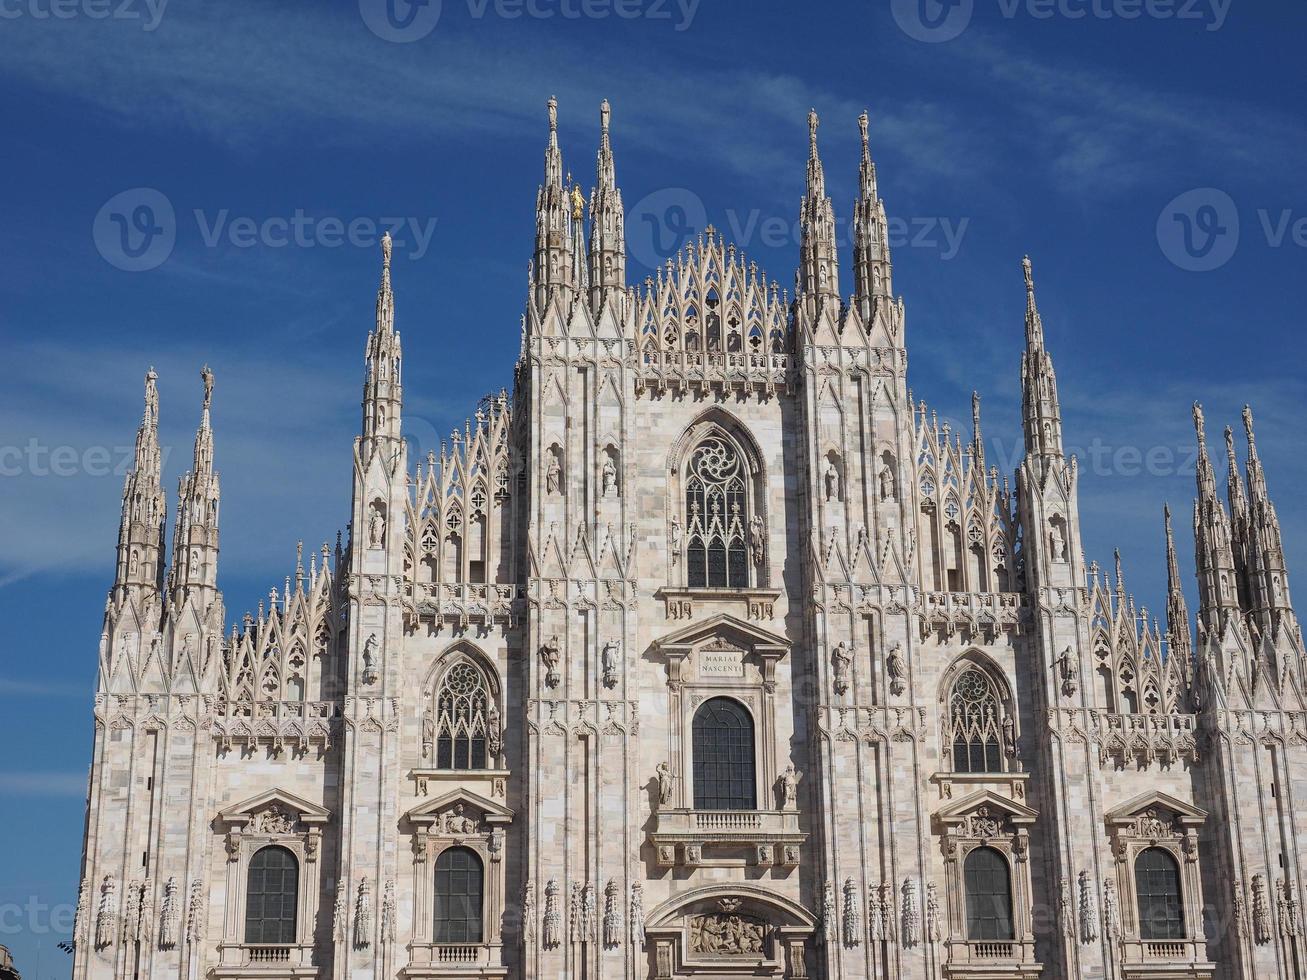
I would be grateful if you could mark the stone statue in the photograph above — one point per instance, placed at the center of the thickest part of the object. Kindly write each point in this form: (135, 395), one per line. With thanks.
(1056, 543)
(841, 660)
(665, 782)
(831, 479)
(897, 670)
(790, 787)
(376, 527)
(610, 478)
(887, 492)
(611, 651)
(1066, 668)
(757, 539)
(553, 474)
(428, 733)
(549, 657)
(674, 539)
(1010, 737)
(370, 660)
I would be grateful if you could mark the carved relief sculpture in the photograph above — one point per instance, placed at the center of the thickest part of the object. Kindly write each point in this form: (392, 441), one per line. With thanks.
(612, 915)
(911, 929)
(549, 658)
(1088, 909)
(852, 916)
(897, 670)
(841, 659)
(637, 915)
(553, 921)
(934, 918)
(363, 915)
(1261, 911)
(829, 923)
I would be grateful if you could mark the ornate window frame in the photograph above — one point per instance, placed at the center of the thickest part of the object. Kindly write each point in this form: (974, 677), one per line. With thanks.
(987, 820)
(273, 818)
(464, 819)
(1007, 725)
(723, 657)
(1157, 820)
(458, 654)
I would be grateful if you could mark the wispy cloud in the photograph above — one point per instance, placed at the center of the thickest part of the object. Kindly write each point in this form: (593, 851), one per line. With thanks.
(43, 783)
(41, 688)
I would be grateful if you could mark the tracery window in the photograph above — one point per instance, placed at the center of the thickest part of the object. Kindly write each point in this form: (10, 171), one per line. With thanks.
(459, 889)
(1157, 887)
(989, 895)
(716, 510)
(462, 725)
(975, 726)
(272, 897)
(724, 774)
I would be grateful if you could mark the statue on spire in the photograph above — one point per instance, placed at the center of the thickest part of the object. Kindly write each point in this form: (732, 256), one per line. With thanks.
(206, 376)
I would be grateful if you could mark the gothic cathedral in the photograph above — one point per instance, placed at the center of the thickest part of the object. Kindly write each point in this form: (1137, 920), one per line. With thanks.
(706, 652)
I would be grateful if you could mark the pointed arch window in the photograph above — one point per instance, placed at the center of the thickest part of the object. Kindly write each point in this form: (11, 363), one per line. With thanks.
(989, 895)
(716, 509)
(1157, 885)
(724, 774)
(462, 719)
(975, 723)
(272, 897)
(459, 890)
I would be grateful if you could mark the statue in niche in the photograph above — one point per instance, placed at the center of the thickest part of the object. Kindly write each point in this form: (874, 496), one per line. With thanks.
(611, 652)
(370, 660)
(790, 787)
(494, 736)
(609, 477)
(831, 479)
(757, 538)
(1056, 542)
(841, 660)
(665, 783)
(428, 733)
(133, 564)
(674, 539)
(1067, 670)
(554, 473)
(376, 527)
(897, 670)
(887, 492)
(549, 657)
(1010, 737)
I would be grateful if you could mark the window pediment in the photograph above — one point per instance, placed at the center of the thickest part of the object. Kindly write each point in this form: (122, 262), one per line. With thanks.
(437, 813)
(1156, 809)
(725, 631)
(274, 811)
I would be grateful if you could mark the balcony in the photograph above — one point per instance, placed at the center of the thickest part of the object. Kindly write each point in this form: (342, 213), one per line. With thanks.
(974, 959)
(242, 960)
(442, 960)
(688, 837)
(1169, 959)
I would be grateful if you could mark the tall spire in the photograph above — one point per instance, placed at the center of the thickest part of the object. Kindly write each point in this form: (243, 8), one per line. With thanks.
(1041, 411)
(383, 397)
(872, 269)
(1265, 567)
(195, 534)
(1213, 554)
(552, 268)
(144, 511)
(819, 269)
(977, 443)
(607, 223)
(1177, 610)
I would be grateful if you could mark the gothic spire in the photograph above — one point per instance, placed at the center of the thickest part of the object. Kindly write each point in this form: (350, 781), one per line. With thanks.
(819, 271)
(553, 244)
(977, 443)
(195, 534)
(382, 389)
(1265, 568)
(1213, 554)
(872, 269)
(607, 224)
(144, 511)
(1177, 610)
(1041, 411)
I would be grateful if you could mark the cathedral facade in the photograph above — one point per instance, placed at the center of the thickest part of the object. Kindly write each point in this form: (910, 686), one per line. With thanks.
(704, 652)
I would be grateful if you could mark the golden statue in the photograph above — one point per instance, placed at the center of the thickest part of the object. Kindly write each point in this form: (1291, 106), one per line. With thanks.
(578, 203)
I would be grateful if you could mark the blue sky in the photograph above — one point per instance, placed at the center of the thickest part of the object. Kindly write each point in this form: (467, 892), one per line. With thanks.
(1032, 130)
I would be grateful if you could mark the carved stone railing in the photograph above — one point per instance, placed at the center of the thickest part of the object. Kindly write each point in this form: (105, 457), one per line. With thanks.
(255, 955)
(969, 959)
(1131, 737)
(239, 961)
(463, 603)
(432, 960)
(761, 371)
(281, 724)
(1142, 958)
(978, 613)
(681, 837)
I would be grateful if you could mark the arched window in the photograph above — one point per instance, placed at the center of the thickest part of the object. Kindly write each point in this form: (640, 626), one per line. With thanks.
(458, 896)
(462, 704)
(1157, 884)
(272, 897)
(716, 517)
(989, 895)
(723, 757)
(975, 723)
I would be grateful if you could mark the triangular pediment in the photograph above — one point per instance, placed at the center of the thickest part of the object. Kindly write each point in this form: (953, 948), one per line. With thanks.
(742, 633)
(956, 810)
(1156, 800)
(429, 811)
(308, 812)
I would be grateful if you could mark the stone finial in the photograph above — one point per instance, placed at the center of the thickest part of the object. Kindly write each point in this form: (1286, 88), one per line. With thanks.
(864, 123)
(387, 246)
